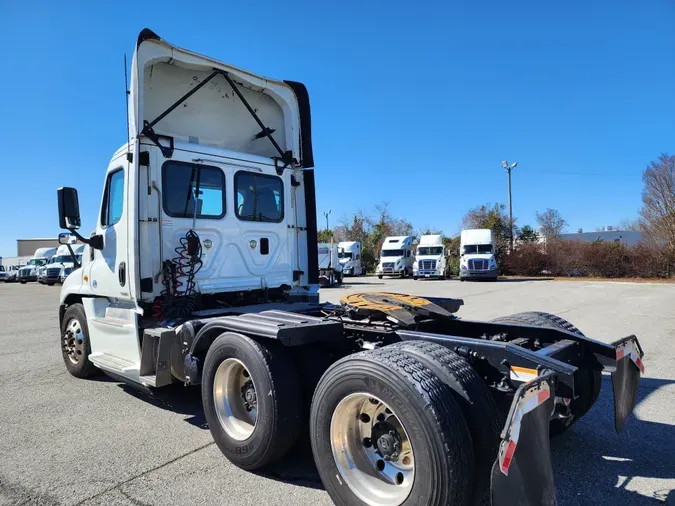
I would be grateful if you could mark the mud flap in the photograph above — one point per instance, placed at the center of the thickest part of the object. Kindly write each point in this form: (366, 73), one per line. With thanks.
(522, 475)
(625, 380)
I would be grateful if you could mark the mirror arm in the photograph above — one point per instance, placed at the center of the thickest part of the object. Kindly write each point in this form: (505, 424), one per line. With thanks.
(95, 241)
(73, 257)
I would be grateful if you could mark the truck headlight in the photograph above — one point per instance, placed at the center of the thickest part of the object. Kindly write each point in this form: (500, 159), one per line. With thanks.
(463, 267)
(33, 272)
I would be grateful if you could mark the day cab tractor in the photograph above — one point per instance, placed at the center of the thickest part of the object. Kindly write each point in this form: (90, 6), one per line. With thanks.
(202, 270)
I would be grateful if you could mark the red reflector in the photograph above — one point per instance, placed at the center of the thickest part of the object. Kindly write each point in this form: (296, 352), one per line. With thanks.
(543, 396)
(641, 366)
(508, 457)
(620, 353)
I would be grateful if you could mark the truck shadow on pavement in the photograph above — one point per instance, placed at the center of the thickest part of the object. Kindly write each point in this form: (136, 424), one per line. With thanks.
(593, 464)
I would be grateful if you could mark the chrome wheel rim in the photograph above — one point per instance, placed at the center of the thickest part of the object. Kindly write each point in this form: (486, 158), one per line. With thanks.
(73, 341)
(235, 399)
(372, 450)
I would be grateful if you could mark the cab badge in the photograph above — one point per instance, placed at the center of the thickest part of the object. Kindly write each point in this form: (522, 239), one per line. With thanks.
(208, 243)
(253, 243)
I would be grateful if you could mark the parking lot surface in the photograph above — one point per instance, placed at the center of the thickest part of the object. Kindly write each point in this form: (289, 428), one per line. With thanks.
(97, 442)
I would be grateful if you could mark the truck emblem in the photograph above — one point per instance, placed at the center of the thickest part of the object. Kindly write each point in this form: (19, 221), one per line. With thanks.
(208, 243)
(253, 243)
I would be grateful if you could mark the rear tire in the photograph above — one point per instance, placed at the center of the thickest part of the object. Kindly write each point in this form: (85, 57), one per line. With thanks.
(590, 380)
(254, 428)
(75, 345)
(475, 400)
(424, 415)
(379, 276)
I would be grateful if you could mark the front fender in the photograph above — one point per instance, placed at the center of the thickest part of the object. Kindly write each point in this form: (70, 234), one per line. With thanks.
(74, 284)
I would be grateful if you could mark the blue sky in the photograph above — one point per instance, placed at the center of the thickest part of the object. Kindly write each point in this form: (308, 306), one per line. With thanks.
(413, 103)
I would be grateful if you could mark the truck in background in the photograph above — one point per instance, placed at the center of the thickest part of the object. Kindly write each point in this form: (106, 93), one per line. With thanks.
(29, 272)
(60, 265)
(349, 255)
(477, 255)
(396, 258)
(430, 258)
(3, 273)
(330, 268)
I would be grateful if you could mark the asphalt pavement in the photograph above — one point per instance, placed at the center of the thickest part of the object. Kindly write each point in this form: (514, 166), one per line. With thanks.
(65, 441)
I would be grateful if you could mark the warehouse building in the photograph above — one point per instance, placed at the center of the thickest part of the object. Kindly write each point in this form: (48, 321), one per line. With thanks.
(26, 247)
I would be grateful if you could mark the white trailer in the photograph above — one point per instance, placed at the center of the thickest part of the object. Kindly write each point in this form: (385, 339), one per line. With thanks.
(349, 253)
(396, 257)
(330, 268)
(477, 255)
(430, 258)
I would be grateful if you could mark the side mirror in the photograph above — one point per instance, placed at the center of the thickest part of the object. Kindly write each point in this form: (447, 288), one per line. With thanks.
(69, 209)
(65, 238)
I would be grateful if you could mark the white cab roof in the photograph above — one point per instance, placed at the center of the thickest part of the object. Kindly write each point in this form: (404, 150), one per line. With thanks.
(397, 242)
(431, 240)
(476, 236)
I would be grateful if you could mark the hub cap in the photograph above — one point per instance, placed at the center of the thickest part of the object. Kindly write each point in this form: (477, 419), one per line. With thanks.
(73, 341)
(372, 450)
(235, 399)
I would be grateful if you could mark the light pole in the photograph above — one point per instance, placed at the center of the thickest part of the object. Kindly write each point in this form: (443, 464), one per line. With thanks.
(326, 214)
(509, 168)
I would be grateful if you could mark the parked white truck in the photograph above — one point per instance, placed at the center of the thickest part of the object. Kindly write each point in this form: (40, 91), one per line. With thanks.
(430, 258)
(202, 270)
(477, 255)
(41, 257)
(61, 264)
(396, 258)
(330, 268)
(349, 254)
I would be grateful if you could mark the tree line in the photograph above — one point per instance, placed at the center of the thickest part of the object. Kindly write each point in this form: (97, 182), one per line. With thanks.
(654, 257)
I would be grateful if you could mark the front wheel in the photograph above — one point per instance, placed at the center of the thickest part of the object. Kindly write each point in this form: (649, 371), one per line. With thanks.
(386, 431)
(379, 276)
(252, 400)
(75, 346)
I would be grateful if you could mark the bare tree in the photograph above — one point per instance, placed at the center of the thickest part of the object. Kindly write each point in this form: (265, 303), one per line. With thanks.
(658, 201)
(551, 223)
(634, 225)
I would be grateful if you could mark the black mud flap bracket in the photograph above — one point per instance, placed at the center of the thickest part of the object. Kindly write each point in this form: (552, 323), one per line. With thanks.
(626, 378)
(522, 475)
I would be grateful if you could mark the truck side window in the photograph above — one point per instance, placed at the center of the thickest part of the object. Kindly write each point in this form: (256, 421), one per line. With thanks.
(181, 180)
(113, 199)
(259, 197)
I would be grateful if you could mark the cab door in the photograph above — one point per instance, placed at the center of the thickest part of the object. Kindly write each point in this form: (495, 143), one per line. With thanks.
(109, 274)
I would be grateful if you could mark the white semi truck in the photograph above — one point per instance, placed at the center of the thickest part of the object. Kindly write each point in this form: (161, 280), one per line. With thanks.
(41, 257)
(330, 268)
(349, 253)
(477, 255)
(396, 257)
(61, 265)
(430, 258)
(202, 270)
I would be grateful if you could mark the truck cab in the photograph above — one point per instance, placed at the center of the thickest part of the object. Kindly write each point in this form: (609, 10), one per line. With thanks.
(60, 265)
(209, 205)
(430, 258)
(477, 255)
(29, 272)
(3, 273)
(396, 258)
(349, 254)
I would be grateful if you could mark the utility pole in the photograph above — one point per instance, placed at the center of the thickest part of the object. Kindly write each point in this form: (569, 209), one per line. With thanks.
(509, 168)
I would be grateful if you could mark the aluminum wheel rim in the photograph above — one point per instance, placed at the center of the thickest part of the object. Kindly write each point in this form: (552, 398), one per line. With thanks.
(235, 399)
(375, 478)
(73, 341)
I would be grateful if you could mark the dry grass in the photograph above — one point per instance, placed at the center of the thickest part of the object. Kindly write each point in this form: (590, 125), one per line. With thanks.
(665, 281)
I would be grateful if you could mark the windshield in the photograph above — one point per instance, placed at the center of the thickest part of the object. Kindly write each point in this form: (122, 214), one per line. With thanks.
(392, 252)
(345, 254)
(62, 259)
(427, 250)
(37, 261)
(478, 248)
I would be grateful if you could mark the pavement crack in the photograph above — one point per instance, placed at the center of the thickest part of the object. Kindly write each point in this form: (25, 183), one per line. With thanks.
(144, 473)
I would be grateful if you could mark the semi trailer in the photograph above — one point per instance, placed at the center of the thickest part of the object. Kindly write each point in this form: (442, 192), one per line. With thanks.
(330, 268)
(202, 270)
